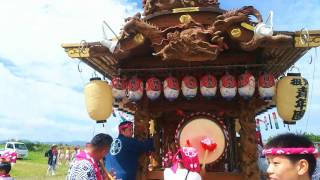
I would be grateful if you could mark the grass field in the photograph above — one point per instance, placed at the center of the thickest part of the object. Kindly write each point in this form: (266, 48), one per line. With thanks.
(35, 168)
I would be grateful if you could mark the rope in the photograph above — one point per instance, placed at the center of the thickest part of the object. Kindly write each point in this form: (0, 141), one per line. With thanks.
(311, 89)
(104, 33)
(82, 47)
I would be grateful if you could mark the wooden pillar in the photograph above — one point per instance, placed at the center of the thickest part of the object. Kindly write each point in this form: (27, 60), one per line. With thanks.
(141, 122)
(248, 149)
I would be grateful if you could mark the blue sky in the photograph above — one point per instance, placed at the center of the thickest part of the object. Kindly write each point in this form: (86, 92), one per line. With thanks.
(41, 93)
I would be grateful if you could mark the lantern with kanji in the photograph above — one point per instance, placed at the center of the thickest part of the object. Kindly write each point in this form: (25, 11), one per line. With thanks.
(246, 85)
(267, 88)
(228, 86)
(119, 87)
(291, 97)
(153, 88)
(208, 86)
(98, 99)
(135, 89)
(171, 88)
(189, 87)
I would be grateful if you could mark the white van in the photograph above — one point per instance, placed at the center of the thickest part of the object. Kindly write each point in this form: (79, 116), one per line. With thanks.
(19, 147)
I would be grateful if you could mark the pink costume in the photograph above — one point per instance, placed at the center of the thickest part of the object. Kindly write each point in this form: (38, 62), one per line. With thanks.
(10, 156)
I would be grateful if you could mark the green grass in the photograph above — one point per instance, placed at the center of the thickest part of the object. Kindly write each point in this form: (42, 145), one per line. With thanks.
(35, 168)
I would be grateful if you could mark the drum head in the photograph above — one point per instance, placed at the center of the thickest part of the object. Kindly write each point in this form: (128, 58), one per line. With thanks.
(198, 128)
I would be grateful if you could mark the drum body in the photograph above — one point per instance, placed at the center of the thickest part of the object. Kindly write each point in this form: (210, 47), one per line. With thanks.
(198, 126)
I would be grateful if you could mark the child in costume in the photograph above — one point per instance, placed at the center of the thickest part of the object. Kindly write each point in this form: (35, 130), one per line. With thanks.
(290, 157)
(5, 168)
(186, 165)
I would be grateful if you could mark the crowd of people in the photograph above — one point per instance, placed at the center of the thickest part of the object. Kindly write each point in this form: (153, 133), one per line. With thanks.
(60, 156)
(289, 157)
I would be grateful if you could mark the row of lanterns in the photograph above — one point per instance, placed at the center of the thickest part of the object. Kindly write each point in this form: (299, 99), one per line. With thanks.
(291, 92)
(228, 85)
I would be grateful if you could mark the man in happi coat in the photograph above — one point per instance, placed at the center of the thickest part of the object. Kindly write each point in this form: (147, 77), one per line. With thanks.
(86, 165)
(125, 151)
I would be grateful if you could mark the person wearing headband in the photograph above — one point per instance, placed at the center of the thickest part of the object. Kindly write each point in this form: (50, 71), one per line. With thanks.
(88, 164)
(290, 157)
(5, 168)
(125, 151)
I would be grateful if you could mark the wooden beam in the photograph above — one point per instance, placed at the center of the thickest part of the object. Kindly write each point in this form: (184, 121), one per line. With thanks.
(224, 59)
(307, 39)
(198, 104)
(77, 52)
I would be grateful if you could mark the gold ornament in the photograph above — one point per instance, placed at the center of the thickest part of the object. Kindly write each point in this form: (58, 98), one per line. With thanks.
(151, 127)
(138, 38)
(236, 32)
(185, 19)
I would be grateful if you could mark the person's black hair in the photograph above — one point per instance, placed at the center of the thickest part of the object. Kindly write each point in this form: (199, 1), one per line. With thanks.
(101, 140)
(5, 166)
(124, 123)
(290, 140)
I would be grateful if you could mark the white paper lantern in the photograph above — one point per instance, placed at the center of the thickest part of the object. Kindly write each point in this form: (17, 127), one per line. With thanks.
(119, 87)
(267, 86)
(153, 88)
(228, 86)
(246, 85)
(292, 97)
(98, 99)
(171, 88)
(189, 87)
(135, 89)
(208, 86)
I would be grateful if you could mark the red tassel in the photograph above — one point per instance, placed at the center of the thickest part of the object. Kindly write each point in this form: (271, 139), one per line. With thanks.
(180, 113)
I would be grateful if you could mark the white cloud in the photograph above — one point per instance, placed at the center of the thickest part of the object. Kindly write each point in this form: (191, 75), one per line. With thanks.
(36, 28)
(41, 92)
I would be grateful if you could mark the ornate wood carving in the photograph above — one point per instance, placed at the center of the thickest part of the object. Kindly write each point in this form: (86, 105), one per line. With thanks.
(141, 122)
(193, 41)
(307, 39)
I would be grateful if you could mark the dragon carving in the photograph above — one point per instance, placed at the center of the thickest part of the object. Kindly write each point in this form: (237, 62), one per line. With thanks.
(192, 41)
(151, 6)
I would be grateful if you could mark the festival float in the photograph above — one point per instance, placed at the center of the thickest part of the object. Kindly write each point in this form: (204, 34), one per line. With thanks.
(199, 75)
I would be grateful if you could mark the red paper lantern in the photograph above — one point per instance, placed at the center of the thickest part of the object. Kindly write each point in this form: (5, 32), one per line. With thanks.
(171, 88)
(208, 86)
(189, 86)
(153, 88)
(135, 89)
(119, 86)
(228, 86)
(246, 85)
(267, 86)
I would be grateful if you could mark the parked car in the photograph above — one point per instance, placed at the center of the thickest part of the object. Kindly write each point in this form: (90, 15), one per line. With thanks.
(19, 147)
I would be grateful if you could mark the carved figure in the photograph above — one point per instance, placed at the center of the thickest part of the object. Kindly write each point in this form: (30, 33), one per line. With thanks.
(189, 42)
(193, 41)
